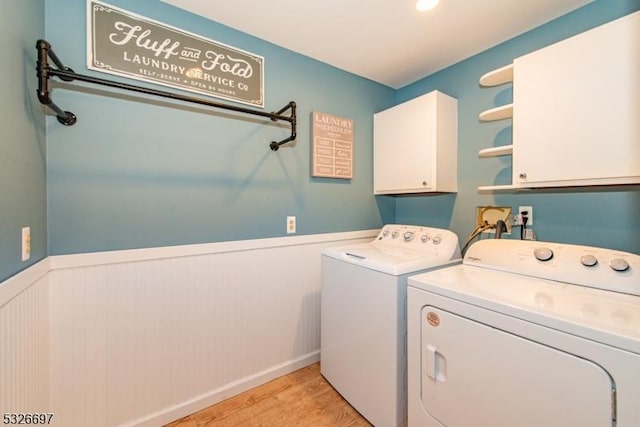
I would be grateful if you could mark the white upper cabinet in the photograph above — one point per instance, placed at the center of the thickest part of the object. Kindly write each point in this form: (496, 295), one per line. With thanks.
(416, 146)
(576, 110)
(577, 114)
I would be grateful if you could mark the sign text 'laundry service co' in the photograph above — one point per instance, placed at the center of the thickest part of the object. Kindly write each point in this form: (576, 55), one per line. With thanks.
(126, 44)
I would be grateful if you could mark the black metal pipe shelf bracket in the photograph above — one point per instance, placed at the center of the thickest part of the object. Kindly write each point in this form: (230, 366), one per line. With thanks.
(67, 118)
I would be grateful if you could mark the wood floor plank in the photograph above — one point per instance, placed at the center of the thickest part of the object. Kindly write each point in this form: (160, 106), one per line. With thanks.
(302, 398)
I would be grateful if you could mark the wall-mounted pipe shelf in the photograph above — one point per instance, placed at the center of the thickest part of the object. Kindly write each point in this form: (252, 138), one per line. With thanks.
(67, 118)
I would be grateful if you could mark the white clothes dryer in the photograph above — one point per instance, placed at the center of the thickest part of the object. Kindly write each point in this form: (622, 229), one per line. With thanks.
(526, 334)
(363, 315)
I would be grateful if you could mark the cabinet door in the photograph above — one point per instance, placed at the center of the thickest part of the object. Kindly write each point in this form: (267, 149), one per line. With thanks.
(404, 147)
(576, 109)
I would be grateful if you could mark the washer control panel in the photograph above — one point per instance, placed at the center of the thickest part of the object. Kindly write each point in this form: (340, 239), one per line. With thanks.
(580, 265)
(424, 239)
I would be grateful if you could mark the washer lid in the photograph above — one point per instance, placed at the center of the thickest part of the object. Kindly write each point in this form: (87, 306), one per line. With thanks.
(603, 316)
(388, 259)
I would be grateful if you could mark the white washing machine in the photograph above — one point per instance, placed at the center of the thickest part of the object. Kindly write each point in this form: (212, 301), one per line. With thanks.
(363, 315)
(526, 334)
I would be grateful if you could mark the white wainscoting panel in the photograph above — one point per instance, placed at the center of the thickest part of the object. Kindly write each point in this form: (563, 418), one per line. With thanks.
(24, 342)
(145, 337)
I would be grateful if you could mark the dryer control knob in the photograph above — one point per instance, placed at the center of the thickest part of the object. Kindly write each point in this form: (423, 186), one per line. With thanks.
(408, 236)
(394, 234)
(385, 233)
(436, 240)
(425, 238)
(543, 254)
(588, 260)
(618, 264)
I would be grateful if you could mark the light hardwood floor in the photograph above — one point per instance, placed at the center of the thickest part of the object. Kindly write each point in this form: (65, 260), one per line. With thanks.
(302, 398)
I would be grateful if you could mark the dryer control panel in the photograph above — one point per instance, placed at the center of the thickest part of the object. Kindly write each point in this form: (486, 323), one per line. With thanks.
(594, 267)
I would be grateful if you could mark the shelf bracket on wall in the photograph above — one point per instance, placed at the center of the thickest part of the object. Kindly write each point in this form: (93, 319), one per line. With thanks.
(67, 118)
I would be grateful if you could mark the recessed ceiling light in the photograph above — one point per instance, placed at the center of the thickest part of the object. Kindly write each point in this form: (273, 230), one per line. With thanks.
(424, 5)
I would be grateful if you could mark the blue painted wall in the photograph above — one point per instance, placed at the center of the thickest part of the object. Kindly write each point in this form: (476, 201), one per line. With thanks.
(138, 172)
(22, 145)
(597, 216)
(135, 172)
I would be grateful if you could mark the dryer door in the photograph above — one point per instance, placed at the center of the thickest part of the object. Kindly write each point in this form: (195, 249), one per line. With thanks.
(477, 375)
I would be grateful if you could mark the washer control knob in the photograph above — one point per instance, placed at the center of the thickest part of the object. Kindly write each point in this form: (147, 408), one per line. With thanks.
(436, 240)
(618, 264)
(394, 234)
(385, 233)
(588, 260)
(425, 238)
(408, 236)
(543, 254)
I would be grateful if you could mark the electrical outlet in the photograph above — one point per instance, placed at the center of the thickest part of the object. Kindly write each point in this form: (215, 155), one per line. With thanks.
(291, 224)
(529, 211)
(26, 243)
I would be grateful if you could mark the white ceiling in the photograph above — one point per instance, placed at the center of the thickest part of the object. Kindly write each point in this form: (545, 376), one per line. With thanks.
(387, 41)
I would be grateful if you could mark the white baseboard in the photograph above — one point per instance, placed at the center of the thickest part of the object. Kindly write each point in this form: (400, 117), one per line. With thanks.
(196, 404)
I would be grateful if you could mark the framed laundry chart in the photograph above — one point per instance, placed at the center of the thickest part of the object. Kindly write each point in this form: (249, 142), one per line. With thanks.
(332, 146)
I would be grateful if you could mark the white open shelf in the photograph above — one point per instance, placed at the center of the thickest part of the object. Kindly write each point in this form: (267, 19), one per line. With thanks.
(504, 150)
(495, 78)
(498, 77)
(507, 187)
(498, 113)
